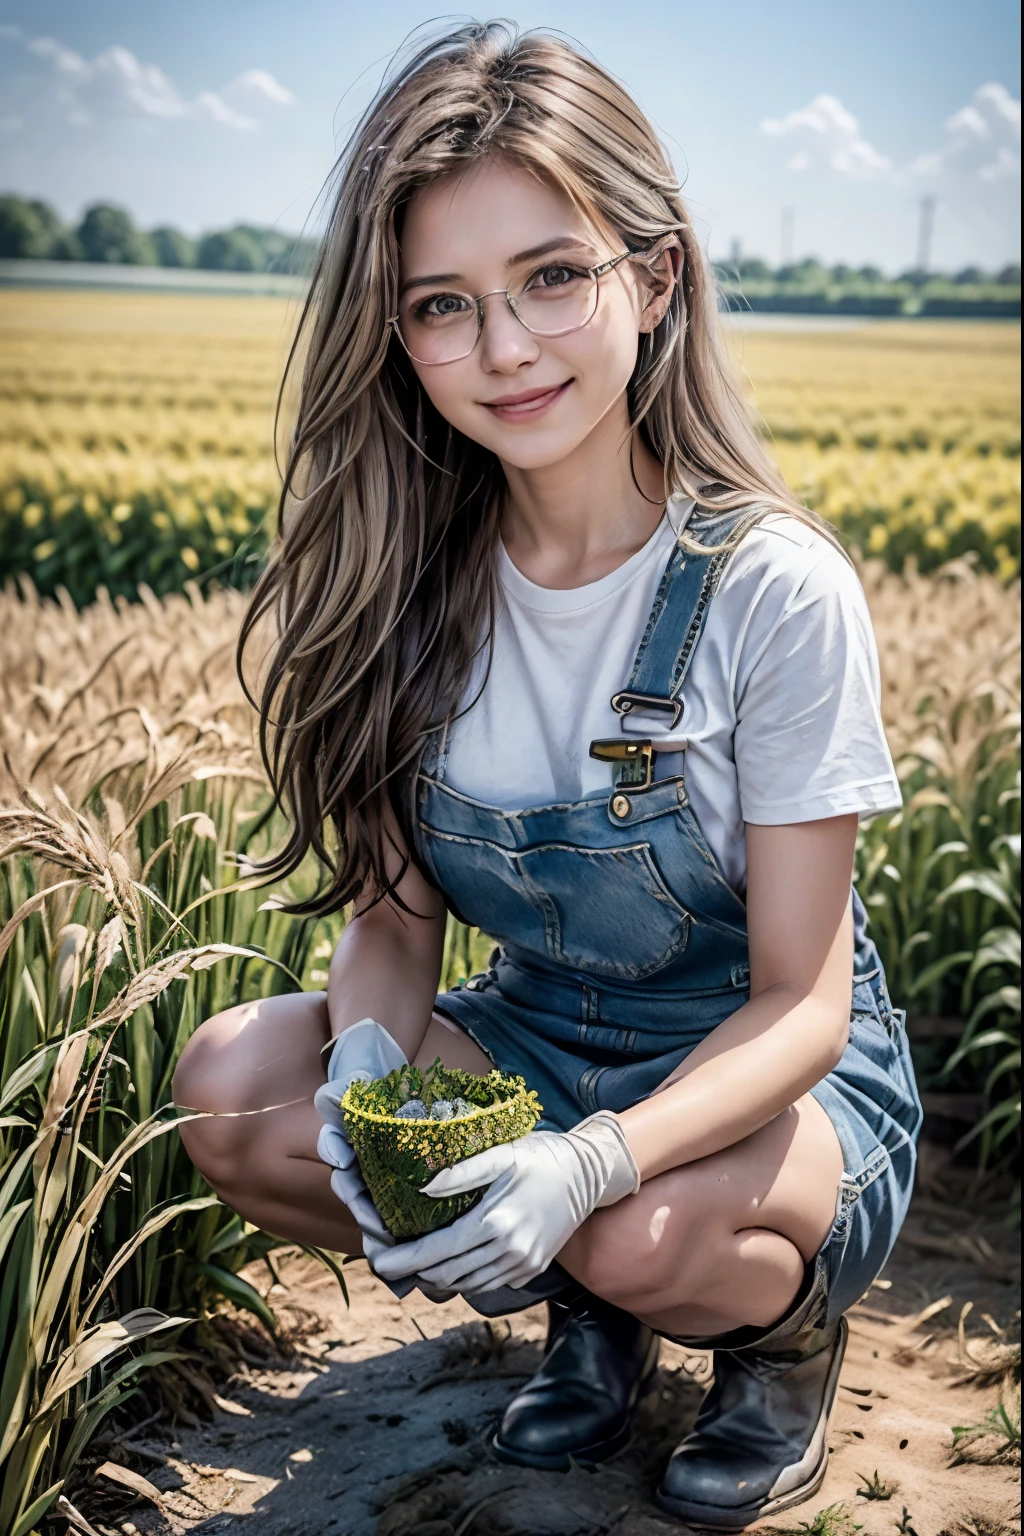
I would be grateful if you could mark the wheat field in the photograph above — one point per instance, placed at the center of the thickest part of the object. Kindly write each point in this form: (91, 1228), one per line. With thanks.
(136, 444)
(136, 435)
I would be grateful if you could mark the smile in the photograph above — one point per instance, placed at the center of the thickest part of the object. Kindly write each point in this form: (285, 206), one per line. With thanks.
(527, 406)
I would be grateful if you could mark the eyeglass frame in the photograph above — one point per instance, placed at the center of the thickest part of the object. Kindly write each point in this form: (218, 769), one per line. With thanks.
(593, 272)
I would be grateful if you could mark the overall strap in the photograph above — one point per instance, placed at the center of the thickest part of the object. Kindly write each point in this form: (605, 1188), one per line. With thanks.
(680, 611)
(669, 640)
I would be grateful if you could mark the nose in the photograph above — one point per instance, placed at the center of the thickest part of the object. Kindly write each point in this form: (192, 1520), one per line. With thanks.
(505, 342)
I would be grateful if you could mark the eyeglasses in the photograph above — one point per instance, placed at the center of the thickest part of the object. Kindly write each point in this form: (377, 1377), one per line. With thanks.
(554, 300)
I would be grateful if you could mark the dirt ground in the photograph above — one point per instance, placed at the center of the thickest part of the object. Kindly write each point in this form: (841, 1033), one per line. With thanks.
(381, 1426)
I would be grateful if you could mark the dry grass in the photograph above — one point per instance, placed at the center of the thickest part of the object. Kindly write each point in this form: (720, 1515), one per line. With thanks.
(85, 695)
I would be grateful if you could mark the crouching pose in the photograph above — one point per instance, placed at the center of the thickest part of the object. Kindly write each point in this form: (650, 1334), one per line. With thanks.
(555, 650)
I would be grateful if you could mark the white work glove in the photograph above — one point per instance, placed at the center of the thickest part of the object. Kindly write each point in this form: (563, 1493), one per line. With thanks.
(362, 1053)
(542, 1187)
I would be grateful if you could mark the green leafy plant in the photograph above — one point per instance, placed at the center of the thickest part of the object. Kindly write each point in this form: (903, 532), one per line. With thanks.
(836, 1520)
(122, 926)
(875, 1487)
(995, 1440)
(398, 1156)
(941, 876)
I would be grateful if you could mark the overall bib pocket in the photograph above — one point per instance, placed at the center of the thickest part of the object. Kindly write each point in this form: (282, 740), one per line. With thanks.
(603, 911)
(607, 911)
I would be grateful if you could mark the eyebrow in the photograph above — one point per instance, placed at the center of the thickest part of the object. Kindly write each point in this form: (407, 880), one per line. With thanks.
(560, 243)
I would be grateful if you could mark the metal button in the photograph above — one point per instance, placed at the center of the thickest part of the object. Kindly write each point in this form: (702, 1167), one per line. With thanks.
(621, 806)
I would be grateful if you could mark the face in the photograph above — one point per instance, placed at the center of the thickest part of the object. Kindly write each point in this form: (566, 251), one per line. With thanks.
(533, 400)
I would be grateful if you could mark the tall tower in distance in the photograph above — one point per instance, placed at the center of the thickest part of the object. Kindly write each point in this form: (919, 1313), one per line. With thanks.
(788, 225)
(925, 230)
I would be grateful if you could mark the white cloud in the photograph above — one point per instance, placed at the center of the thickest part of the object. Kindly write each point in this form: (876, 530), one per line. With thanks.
(982, 140)
(828, 136)
(117, 83)
(258, 82)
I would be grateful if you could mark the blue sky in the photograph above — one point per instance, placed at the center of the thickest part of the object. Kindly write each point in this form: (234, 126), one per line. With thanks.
(210, 112)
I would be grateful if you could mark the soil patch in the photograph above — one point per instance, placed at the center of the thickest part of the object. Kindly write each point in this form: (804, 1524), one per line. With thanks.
(382, 1426)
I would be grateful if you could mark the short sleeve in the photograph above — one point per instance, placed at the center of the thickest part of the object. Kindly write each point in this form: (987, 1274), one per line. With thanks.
(809, 739)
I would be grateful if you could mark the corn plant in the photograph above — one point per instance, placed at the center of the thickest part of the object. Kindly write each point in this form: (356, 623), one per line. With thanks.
(121, 928)
(941, 877)
(127, 916)
(136, 444)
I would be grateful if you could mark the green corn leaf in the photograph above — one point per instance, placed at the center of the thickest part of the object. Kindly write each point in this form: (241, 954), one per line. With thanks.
(976, 1043)
(980, 882)
(9, 1221)
(938, 968)
(234, 1289)
(1010, 1063)
(331, 1263)
(229, 1236)
(1000, 946)
(87, 1422)
(157, 1219)
(37, 1508)
(943, 851)
(1005, 1116)
(96, 1344)
(27, 1073)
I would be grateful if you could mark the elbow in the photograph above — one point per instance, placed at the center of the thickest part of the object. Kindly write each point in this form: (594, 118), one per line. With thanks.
(839, 1037)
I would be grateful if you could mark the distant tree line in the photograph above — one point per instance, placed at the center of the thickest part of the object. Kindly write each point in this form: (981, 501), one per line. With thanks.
(811, 288)
(812, 273)
(31, 229)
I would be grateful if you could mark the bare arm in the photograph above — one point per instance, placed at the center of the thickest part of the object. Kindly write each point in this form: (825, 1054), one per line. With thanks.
(388, 963)
(793, 1030)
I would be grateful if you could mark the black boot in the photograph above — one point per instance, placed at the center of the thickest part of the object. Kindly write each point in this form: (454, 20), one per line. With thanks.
(759, 1444)
(598, 1361)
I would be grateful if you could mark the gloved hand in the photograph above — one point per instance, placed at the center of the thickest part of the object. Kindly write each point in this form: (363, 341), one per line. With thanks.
(542, 1187)
(361, 1053)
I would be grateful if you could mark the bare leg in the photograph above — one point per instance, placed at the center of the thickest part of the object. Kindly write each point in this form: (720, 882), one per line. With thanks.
(721, 1242)
(711, 1245)
(264, 1165)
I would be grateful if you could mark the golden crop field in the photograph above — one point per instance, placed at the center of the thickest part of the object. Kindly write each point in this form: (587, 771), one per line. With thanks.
(135, 444)
(135, 438)
(136, 431)
(905, 436)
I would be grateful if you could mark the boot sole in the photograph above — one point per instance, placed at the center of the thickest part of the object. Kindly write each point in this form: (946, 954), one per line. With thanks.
(563, 1460)
(713, 1518)
(587, 1455)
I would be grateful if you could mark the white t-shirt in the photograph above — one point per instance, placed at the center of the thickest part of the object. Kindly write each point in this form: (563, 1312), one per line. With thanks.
(781, 714)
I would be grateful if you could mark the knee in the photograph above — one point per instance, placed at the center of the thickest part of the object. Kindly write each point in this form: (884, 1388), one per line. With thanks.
(625, 1258)
(207, 1075)
(211, 1076)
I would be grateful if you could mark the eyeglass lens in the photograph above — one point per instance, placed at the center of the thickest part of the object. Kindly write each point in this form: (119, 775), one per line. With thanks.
(442, 327)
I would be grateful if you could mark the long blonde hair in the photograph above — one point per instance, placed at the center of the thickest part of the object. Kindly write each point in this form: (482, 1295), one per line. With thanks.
(380, 585)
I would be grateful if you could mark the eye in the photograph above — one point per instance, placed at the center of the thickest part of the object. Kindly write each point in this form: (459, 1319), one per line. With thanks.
(442, 306)
(557, 275)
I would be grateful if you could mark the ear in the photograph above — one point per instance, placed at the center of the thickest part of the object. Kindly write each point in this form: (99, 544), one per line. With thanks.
(664, 269)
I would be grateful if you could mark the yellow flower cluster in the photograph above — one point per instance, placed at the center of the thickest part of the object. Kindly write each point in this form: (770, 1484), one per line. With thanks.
(136, 435)
(905, 436)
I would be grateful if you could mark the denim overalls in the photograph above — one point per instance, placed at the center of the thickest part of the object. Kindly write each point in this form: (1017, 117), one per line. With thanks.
(621, 944)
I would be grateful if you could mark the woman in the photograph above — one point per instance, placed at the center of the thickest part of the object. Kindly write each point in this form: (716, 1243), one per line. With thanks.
(556, 650)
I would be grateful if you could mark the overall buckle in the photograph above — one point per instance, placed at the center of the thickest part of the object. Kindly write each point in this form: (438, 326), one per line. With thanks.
(627, 700)
(635, 756)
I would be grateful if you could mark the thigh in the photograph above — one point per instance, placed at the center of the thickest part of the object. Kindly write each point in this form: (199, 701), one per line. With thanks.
(255, 1054)
(265, 1055)
(784, 1178)
(455, 1048)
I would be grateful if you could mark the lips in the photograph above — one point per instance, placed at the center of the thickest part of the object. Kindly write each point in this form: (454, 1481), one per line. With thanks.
(528, 404)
